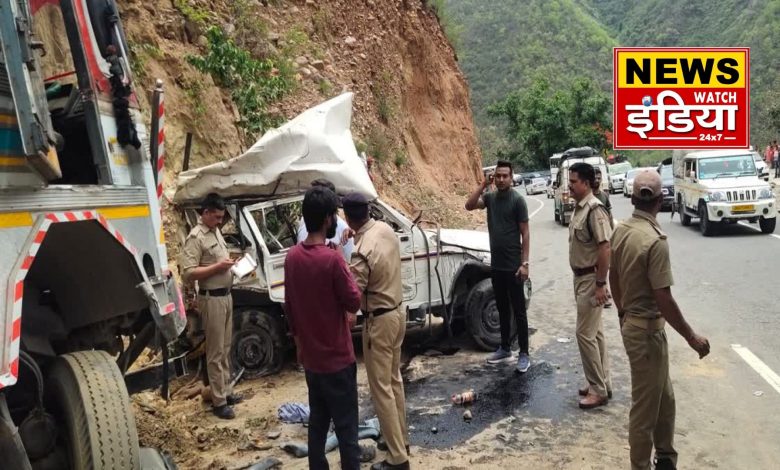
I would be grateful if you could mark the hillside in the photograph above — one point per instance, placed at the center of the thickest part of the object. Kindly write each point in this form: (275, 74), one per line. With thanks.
(411, 107)
(506, 42)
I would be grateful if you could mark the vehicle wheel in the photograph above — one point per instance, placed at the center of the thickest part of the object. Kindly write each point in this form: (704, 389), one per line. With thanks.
(258, 343)
(87, 395)
(557, 217)
(706, 227)
(482, 316)
(767, 225)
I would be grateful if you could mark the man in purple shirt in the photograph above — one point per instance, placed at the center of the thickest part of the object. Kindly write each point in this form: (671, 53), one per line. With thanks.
(319, 294)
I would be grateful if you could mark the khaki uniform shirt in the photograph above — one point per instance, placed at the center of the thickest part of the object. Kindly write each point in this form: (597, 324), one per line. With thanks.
(205, 247)
(640, 258)
(583, 241)
(376, 265)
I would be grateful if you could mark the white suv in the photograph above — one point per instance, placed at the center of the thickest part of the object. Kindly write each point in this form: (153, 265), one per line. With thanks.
(721, 187)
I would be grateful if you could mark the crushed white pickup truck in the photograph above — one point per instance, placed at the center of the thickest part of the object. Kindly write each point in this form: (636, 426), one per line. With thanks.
(446, 273)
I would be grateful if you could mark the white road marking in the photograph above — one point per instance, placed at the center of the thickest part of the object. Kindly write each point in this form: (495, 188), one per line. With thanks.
(541, 205)
(745, 224)
(758, 365)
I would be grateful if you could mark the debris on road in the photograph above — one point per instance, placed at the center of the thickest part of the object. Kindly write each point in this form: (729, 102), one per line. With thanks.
(564, 340)
(294, 413)
(464, 398)
(273, 435)
(758, 393)
(467, 415)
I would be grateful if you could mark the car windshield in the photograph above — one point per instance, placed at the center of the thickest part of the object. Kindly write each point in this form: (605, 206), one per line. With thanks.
(633, 173)
(618, 168)
(728, 166)
(666, 174)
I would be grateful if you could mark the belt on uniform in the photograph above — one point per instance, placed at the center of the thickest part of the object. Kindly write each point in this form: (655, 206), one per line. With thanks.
(214, 292)
(645, 323)
(382, 311)
(583, 271)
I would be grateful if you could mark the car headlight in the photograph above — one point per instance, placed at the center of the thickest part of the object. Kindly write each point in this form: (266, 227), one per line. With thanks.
(716, 196)
(664, 191)
(766, 193)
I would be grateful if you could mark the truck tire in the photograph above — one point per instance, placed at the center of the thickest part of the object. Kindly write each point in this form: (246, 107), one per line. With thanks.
(258, 343)
(557, 217)
(706, 226)
(767, 225)
(87, 395)
(482, 316)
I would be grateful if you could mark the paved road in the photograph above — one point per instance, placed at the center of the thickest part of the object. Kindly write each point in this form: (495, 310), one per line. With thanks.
(724, 286)
(727, 412)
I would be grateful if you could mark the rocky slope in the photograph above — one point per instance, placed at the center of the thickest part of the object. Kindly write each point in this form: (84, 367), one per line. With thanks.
(411, 106)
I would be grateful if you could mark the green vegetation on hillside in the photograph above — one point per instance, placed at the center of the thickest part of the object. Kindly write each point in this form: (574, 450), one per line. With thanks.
(505, 45)
(542, 121)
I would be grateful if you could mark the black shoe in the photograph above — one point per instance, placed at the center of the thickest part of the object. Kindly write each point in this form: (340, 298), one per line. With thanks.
(234, 399)
(383, 465)
(664, 464)
(381, 444)
(223, 412)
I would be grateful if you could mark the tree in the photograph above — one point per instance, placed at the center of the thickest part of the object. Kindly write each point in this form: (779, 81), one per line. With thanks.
(542, 121)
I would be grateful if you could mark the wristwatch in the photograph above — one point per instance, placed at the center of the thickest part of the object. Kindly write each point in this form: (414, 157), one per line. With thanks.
(601, 283)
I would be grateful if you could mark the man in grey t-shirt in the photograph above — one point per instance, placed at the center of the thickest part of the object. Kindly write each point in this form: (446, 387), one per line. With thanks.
(507, 216)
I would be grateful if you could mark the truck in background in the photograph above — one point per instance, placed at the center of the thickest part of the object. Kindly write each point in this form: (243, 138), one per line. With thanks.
(564, 203)
(86, 284)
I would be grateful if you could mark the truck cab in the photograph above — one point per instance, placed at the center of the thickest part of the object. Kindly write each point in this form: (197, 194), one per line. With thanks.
(564, 203)
(721, 187)
(84, 263)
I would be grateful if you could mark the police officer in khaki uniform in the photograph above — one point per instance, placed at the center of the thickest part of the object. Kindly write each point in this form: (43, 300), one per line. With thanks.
(641, 280)
(589, 233)
(376, 265)
(205, 259)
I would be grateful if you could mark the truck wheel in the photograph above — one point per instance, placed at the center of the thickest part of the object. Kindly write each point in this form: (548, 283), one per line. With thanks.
(767, 225)
(557, 217)
(258, 343)
(482, 316)
(706, 227)
(685, 219)
(87, 395)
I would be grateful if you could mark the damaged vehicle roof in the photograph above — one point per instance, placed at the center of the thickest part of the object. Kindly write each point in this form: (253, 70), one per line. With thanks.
(315, 144)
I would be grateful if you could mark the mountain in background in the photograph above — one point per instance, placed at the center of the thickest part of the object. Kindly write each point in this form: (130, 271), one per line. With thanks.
(502, 44)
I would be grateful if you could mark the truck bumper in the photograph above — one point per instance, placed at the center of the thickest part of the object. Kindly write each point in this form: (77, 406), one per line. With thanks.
(719, 211)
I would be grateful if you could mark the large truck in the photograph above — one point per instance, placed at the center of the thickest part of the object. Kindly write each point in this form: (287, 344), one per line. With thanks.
(564, 203)
(85, 278)
(721, 187)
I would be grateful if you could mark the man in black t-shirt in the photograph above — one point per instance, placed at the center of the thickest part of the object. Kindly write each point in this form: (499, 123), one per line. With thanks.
(507, 216)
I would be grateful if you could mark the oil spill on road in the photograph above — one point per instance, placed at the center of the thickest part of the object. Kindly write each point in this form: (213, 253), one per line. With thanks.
(501, 393)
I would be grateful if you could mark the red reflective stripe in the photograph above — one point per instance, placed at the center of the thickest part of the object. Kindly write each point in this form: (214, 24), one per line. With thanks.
(39, 236)
(52, 217)
(15, 367)
(88, 215)
(119, 237)
(71, 217)
(16, 329)
(27, 262)
(161, 108)
(18, 291)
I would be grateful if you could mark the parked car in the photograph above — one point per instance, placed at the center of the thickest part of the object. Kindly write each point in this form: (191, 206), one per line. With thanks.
(628, 180)
(617, 176)
(667, 180)
(537, 185)
(761, 167)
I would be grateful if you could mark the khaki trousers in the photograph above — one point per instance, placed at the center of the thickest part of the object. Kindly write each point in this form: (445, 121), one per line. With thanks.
(217, 316)
(382, 339)
(651, 420)
(590, 336)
